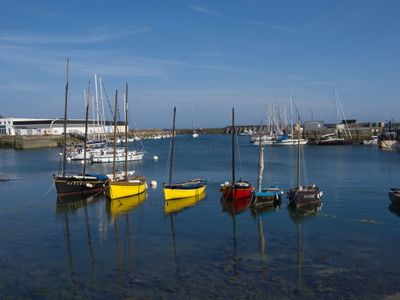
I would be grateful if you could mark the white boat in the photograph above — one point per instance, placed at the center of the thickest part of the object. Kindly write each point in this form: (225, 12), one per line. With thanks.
(372, 141)
(290, 142)
(195, 134)
(107, 156)
(120, 175)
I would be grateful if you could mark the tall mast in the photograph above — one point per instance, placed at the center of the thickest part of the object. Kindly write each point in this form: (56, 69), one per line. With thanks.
(126, 131)
(172, 147)
(65, 123)
(260, 164)
(233, 145)
(97, 106)
(115, 131)
(298, 151)
(86, 130)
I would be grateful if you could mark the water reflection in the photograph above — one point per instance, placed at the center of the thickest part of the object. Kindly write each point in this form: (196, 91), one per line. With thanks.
(173, 207)
(257, 212)
(299, 216)
(234, 207)
(72, 204)
(395, 208)
(116, 207)
(119, 211)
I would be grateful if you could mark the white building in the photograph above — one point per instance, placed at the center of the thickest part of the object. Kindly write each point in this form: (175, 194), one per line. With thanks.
(21, 126)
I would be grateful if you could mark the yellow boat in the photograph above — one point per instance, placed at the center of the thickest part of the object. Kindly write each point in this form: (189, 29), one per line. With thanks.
(123, 205)
(124, 188)
(177, 205)
(185, 189)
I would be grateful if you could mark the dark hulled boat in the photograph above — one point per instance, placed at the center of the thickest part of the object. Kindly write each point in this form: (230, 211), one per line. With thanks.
(77, 184)
(394, 195)
(69, 185)
(303, 196)
(240, 189)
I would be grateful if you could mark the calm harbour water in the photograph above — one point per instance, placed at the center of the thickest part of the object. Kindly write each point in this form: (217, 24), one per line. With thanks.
(348, 250)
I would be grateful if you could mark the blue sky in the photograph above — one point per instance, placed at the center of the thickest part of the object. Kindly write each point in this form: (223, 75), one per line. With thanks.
(202, 56)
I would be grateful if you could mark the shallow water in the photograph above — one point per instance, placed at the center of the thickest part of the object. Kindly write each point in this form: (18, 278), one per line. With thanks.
(135, 249)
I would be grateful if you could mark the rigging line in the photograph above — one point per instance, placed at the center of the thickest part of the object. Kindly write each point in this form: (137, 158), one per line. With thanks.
(304, 165)
(239, 157)
(108, 99)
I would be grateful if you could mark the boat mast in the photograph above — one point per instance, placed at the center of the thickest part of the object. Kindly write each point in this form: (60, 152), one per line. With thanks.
(172, 147)
(86, 134)
(233, 145)
(260, 164)
(115, 132)
(65, 123)
(298, 151)
(126, 131)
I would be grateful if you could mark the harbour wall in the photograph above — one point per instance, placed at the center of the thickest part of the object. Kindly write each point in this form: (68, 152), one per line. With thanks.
(21, 142)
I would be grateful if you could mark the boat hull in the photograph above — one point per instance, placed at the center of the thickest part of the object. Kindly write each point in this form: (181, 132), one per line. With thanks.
(305, 197)
(267, 197)
(123, 188)
(334, 142)
(237, 191)
(394, 196)
(185, 189)
(79, 185)
(387, 144)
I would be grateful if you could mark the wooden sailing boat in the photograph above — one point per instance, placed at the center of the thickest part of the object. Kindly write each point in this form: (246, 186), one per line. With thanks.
(303, 196)
(76, 184)
(183, 189)
(236, 189)
(267, 196)
(129, 185)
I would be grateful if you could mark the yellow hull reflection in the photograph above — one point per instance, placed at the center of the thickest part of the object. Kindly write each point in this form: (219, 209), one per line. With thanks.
(126, 204)
(184, 193)
(121, 189)
(177, 205)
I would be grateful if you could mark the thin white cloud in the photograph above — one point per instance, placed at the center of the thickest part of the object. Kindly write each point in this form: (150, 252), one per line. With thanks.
(205, 10)
(273, 26)
(89, 38)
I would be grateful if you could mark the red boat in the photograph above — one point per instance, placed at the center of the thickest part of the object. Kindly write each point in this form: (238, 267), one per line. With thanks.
(240, 189)
(236, 191)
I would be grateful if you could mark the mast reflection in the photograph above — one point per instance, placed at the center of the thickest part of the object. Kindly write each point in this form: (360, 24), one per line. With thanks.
(299, 216)
(234, 207)
(173, 207)
(257, 212)
(70, 205)
(119, 210)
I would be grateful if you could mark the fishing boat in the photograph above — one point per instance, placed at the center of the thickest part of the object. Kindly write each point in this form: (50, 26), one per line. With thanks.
(182, 189)
(390, 136)
(235, 190)
(129, 185)
(267, 196)
(80, 183)
(394, 195)
(302, 196)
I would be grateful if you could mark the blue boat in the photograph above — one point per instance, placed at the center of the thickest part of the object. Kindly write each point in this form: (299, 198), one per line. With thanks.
(270, 196)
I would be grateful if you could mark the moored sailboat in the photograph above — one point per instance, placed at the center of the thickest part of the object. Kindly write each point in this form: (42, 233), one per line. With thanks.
(76, 184)
(182, 189)
(129, 185)
(267, 196)
(303, 196)
(235, 190)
